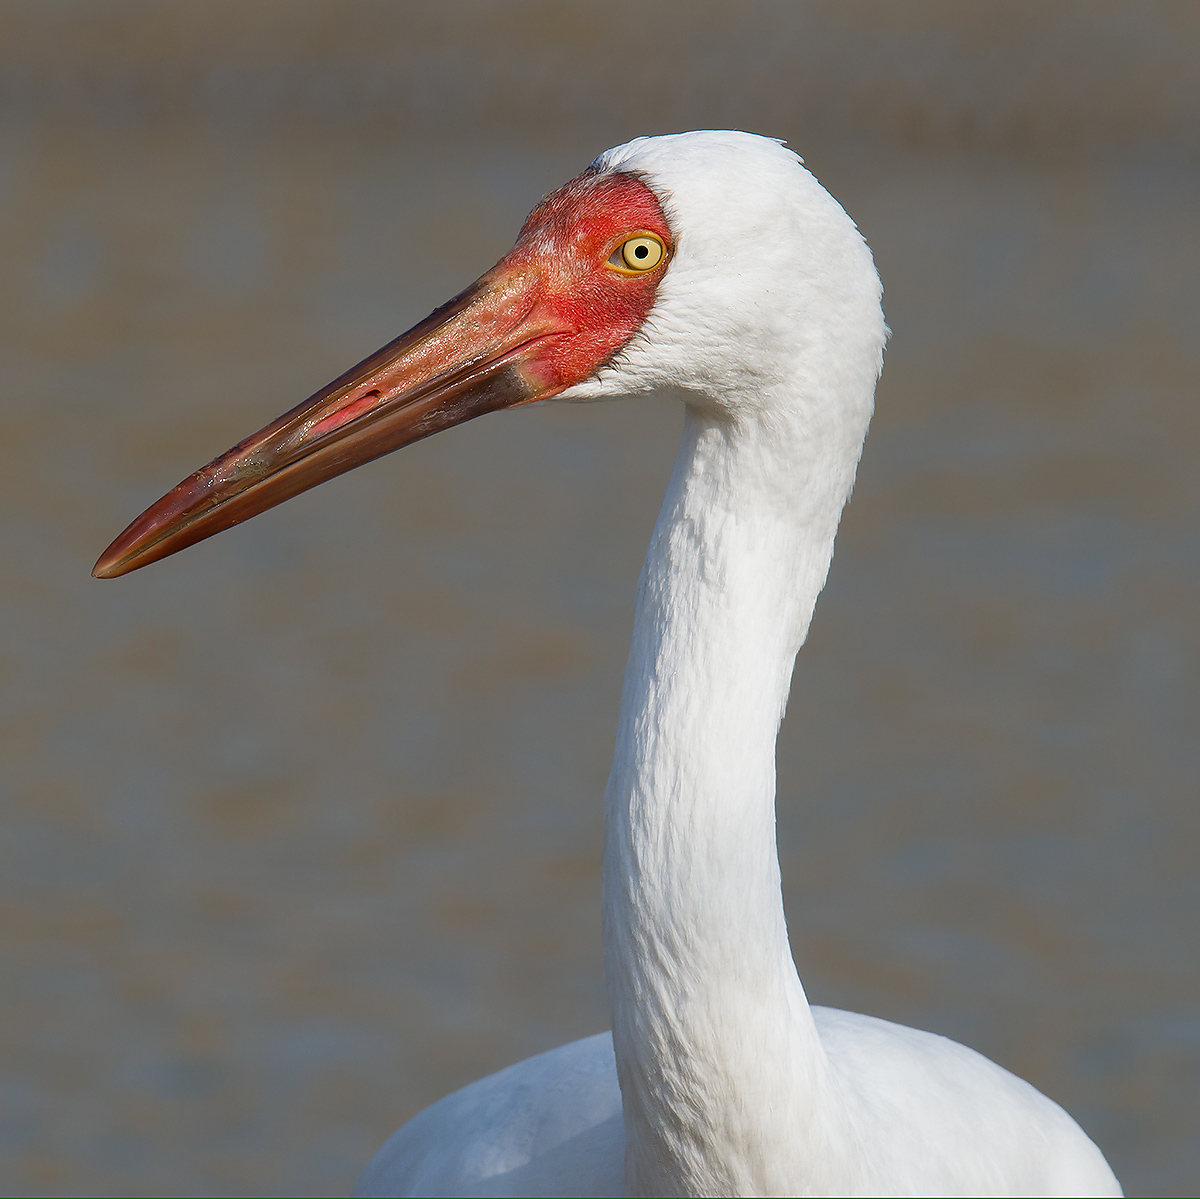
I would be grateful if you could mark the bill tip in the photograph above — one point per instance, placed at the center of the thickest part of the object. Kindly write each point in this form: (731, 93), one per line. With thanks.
(108, 567)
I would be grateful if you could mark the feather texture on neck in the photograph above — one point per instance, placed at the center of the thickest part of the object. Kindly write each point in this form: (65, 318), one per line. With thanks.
(711, 1026)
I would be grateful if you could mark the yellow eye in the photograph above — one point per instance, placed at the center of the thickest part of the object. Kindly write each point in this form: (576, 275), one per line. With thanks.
(638, 254)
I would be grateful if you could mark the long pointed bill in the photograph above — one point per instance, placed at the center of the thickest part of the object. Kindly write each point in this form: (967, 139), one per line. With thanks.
(574, 289)
(475, 355)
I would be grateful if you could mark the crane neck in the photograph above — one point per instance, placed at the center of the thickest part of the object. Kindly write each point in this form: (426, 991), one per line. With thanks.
(725, 1086)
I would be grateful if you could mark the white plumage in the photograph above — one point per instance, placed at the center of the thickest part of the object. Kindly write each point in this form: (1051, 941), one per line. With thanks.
(718, 1078)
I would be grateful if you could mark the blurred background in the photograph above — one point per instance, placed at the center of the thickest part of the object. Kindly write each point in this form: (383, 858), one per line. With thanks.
(301, 828)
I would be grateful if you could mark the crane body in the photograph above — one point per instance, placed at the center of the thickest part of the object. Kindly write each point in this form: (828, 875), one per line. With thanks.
(712, 265)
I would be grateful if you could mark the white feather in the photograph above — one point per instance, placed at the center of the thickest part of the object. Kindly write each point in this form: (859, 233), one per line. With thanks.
(719, 1079)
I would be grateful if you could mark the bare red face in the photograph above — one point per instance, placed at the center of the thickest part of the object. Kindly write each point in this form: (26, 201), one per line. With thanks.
(569, 243)
(573, 290)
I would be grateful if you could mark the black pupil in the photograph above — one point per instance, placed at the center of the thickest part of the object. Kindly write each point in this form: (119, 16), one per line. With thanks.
(640, 251)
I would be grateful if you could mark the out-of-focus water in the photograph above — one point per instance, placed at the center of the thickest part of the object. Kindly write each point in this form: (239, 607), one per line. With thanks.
(301, 828)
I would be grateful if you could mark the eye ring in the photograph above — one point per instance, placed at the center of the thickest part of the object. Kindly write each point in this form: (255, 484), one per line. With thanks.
(638, 255)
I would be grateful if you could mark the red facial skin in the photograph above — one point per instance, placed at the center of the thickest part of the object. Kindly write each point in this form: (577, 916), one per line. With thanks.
(548, 315)
(565, 244)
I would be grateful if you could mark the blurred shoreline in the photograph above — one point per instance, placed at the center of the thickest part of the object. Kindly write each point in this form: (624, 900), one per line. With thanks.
(1068, 81)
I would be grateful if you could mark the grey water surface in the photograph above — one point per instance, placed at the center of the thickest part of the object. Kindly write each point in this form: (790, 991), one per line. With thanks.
(300, 829)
